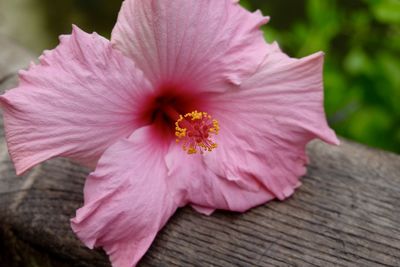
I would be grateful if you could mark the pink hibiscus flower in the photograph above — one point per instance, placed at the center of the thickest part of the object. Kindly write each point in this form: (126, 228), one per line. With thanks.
(186, 105)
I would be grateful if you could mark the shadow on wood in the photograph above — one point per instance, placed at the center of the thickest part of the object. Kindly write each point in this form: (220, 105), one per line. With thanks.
(345, 214)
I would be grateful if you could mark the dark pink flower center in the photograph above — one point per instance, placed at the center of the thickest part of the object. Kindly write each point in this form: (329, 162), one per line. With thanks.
(174, 114)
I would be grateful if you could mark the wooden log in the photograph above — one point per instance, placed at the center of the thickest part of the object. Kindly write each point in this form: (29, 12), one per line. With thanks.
(345, 214)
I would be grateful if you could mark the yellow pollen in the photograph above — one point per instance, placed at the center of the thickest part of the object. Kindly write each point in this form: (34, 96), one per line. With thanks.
(195, 130)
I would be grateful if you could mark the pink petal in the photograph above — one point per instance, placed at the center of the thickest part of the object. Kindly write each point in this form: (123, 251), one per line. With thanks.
(200, 45)
(80, 99)
(266, 125)
(205, 189)
(127, 200)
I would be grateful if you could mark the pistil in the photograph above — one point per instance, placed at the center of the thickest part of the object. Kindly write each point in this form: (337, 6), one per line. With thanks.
(194, 130)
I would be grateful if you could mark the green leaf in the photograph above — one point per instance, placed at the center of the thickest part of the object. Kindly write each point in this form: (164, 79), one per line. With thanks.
(387, 11)
(357, 62)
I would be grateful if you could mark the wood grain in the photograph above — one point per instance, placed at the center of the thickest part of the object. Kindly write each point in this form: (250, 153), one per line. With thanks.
(345, 214)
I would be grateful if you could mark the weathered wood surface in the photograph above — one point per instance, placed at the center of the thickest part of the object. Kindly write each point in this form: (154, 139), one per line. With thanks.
(345, 214)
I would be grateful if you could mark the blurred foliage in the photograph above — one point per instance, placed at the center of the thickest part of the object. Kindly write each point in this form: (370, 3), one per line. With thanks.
(361, 39)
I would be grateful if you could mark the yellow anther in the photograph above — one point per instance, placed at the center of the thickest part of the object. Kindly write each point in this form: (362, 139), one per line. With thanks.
(195, 130)
(192, 150)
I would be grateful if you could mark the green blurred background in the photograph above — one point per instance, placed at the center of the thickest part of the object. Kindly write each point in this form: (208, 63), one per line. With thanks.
(361, 39)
